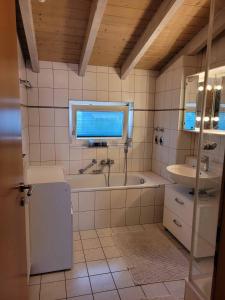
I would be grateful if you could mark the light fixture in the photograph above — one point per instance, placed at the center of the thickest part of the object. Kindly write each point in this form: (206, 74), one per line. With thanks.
(209, 87)
(200, 88)
(216, 119)
(218, 87)
(198, 119)
(42, 1)
(206, 119)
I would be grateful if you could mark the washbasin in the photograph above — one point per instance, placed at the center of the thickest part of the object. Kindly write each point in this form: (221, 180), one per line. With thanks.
(186, 175)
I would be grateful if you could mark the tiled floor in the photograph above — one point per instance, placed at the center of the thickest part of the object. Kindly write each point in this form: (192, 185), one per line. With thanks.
(99, 273)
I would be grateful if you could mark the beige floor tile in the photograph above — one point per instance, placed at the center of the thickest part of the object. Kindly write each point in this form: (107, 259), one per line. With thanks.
(77, 245)
(88, 234)
(78, 257)
(76, 235)
(107, 241)
(131, 293)
(117, 264)
(34, 291)
(94, 254)
(123, 279)
(78, 287)
(111, 252)
(155, 290)
(35, 279)
(109, 295)
(52, 277)
(85, 297)
(135, 228)
(102, 283)
(78, 270)
(104, 232)
(176, 288)
(97, 267)
(147, 226)
(91, 243)
(119, 229)
(53, 291)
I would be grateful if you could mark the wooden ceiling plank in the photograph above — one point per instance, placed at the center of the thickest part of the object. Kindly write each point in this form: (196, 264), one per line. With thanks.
(199, 40)
(160, 20)
(28, 25)
(96, 15)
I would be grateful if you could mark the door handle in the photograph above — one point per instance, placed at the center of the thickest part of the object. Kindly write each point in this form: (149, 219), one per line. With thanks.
(176, 223)
(25, 187)
(179, 201)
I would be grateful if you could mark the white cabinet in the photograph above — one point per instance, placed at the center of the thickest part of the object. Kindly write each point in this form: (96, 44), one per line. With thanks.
(178, 218)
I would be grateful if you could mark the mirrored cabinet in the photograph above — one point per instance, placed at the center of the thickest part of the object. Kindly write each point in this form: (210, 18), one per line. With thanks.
(214, 121)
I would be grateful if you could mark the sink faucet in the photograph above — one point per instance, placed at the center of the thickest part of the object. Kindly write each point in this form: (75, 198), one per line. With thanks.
(93, 162)
(205, 160)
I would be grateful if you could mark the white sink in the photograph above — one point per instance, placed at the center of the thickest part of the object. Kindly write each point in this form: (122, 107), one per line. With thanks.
(186, 175)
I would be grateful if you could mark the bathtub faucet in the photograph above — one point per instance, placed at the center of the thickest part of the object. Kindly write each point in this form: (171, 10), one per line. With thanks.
(103, 163)
(93, 162)
(107, 162)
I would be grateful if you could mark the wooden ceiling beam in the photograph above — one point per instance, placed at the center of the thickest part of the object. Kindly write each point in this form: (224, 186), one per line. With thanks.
(160, 20)
(198, 42)
(28, 25)
(96, 14)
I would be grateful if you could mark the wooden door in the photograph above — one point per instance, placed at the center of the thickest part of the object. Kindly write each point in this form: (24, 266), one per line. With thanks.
(12, 215)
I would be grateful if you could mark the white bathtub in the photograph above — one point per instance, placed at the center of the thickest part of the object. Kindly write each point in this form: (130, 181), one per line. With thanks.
(96, 205)
(87, 182)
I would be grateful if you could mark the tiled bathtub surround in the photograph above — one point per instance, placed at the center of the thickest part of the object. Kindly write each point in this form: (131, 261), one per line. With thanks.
(48, 114)
(117, 207)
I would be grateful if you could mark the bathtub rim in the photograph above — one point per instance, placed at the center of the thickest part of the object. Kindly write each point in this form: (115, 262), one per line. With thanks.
(152, 180)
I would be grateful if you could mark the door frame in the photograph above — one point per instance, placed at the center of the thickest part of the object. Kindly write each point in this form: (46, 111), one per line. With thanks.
(218, 287)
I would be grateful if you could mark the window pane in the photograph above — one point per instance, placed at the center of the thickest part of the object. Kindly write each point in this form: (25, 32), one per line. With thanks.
(189, 120)
(91, 124)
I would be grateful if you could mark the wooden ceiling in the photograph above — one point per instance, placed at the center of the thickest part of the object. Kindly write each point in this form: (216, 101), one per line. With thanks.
(60, 28)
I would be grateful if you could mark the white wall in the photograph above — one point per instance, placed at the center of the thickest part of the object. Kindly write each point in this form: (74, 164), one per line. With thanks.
(48, 126)
(58, 82)
(169, 116)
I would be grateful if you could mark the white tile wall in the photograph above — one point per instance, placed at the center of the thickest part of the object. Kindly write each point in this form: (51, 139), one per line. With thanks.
(48, 127)
(177, 144)
(113, 208)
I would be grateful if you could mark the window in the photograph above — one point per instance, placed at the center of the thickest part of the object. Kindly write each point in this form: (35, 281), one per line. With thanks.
(95, 124)
(101, 120)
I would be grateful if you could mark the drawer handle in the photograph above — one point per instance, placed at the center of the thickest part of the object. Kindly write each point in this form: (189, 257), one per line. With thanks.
(179, 201)
(176, 223)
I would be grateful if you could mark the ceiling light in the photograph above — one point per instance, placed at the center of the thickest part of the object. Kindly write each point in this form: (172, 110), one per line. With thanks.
(209, 87)
(198, 119)
(218, 87)
(200, 88)
(206, 119)
(216, 119)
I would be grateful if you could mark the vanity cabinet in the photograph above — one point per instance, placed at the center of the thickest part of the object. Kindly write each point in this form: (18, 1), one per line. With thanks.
(178, 218)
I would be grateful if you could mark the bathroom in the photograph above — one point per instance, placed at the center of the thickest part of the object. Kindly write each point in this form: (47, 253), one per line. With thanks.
(119, 130)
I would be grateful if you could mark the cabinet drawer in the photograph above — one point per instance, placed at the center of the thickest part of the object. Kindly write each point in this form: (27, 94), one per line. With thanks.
(181, 205)
(177, 227)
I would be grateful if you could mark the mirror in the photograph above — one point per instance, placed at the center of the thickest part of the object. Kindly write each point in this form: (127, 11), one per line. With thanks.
(215, 104)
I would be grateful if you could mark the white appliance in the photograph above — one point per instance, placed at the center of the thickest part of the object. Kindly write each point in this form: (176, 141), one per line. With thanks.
(50, 214)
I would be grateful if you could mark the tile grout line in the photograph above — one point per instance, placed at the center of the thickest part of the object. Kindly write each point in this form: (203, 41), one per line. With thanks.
(110, 272)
